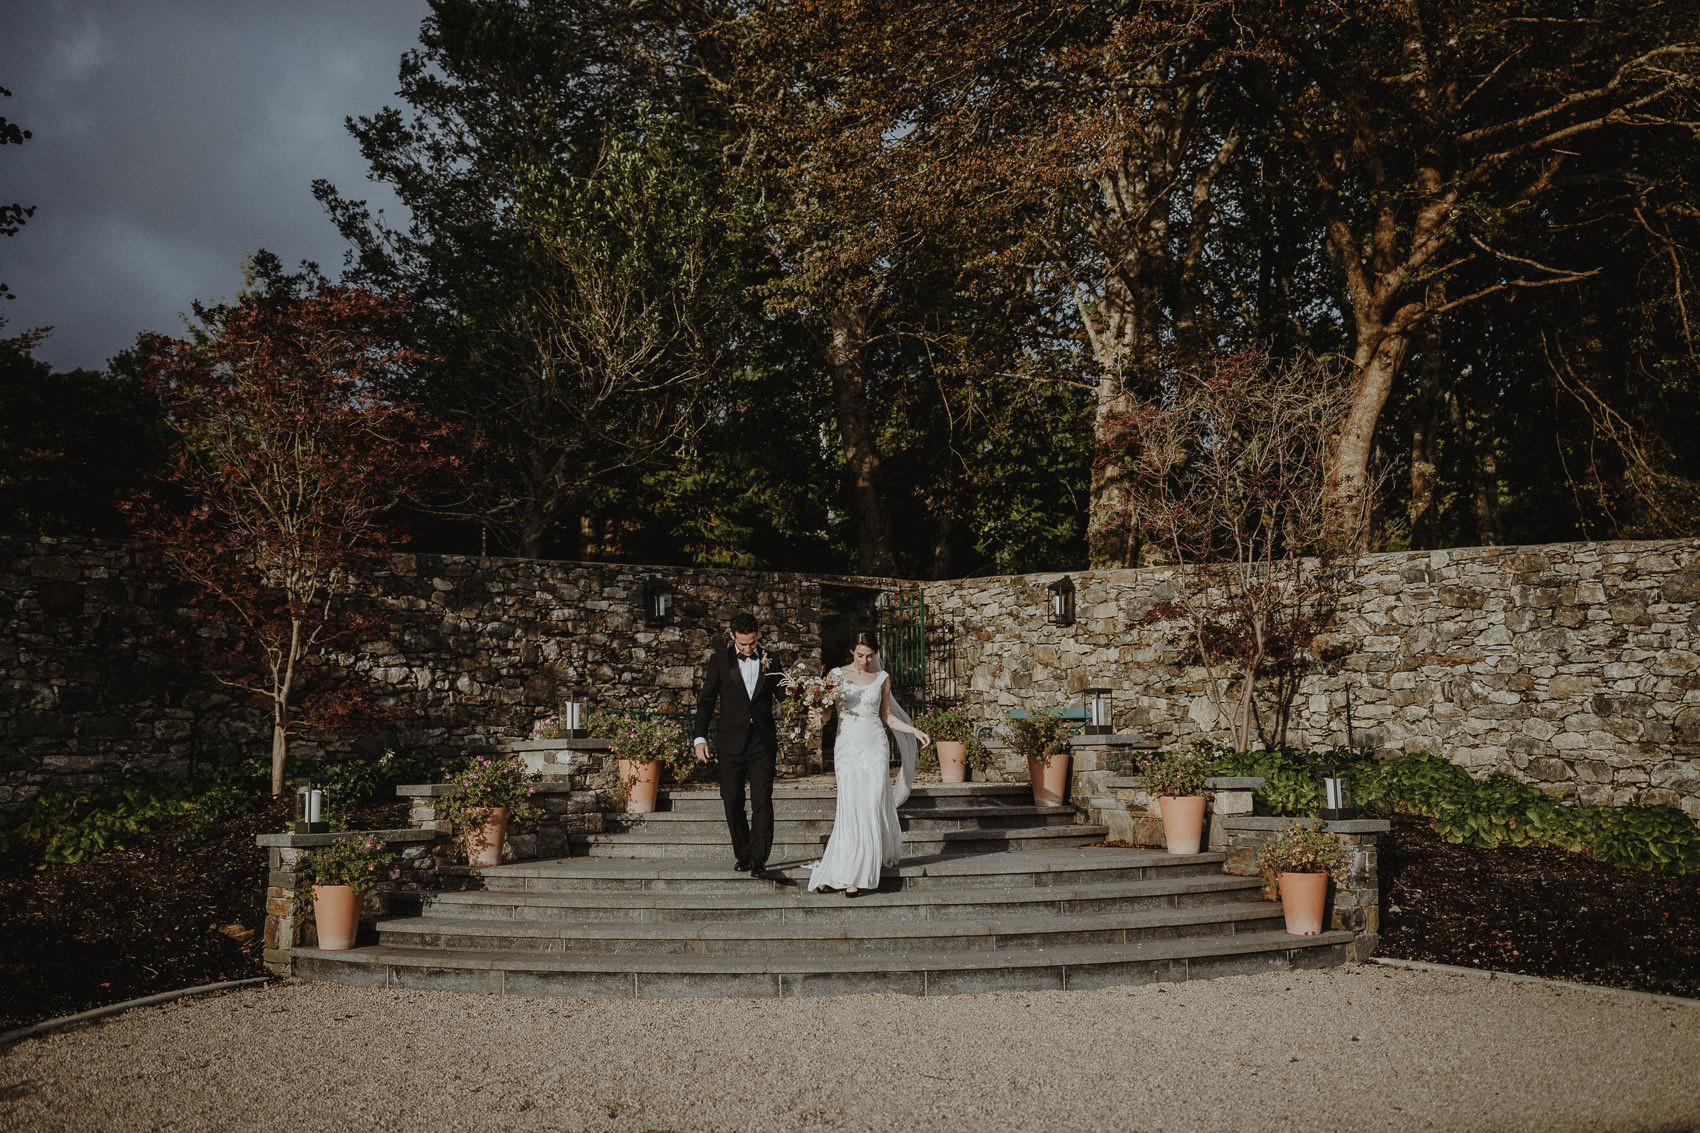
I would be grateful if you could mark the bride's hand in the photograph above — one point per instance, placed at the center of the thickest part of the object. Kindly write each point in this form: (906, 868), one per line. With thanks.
(924, 739)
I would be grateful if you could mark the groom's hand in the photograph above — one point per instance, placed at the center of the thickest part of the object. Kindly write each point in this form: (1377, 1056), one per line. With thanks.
(702, 751)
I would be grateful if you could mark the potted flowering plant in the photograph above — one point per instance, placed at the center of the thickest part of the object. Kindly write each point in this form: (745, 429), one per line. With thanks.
(959, 749)
(1297, 866)
(339, 874)
(642, 745)
(487, 794)
(1041, 738)
(1176, 780)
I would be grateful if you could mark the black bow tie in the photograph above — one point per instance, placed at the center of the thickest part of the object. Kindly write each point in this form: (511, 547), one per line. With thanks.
(751, 656)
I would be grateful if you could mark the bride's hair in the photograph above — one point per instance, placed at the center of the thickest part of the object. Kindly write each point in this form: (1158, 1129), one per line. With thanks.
(865, 637)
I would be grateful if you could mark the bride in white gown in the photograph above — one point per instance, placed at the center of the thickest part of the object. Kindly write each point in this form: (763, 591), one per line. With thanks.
(865, 832)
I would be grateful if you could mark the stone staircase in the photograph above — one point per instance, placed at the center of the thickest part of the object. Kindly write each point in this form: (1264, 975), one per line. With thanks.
(969, 818)
(993, 894)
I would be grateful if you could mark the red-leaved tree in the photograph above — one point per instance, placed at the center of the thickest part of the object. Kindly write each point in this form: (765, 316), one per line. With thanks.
(1230, 484)
(287, 465)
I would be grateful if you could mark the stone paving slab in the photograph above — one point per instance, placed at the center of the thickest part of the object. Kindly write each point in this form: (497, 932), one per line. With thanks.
(1054, 897)
(428, 958)
(1025, 931)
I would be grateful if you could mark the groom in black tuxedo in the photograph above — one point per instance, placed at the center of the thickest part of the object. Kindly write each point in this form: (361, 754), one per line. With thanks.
(740, 683)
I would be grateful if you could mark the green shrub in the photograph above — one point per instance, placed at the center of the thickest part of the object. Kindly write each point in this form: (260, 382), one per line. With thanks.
(1660, 839)
(1498, 810)
(1289, 786)
(352, 783)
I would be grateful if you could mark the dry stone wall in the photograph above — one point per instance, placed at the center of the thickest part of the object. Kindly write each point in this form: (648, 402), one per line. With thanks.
(476, 649)
(1574, 667)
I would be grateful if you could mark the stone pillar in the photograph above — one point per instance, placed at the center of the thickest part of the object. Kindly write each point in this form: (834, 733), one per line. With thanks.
(1354, 904)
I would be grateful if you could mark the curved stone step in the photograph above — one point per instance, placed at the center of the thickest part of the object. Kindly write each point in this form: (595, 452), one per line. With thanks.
(777, 906)
(926, 794)
(653, 843)
(794, 827)
(909, 973)
(756, 940)
(1011, 869)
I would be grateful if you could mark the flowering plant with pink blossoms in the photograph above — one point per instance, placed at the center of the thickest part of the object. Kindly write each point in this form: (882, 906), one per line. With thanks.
(485, 782)
(643, 739)
(359, 864)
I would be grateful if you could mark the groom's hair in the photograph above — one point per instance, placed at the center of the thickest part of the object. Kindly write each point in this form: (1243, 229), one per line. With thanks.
(743, 623)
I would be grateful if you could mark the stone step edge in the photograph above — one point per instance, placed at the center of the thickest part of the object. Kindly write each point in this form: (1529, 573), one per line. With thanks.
(710, 838)
(923, 791)
(833, 930)
(711, 964)
(826, 813)
(785, 899)
(959, 865)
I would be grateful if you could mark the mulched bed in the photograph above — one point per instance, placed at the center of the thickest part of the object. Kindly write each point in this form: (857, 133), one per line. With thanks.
(1538, 911)
(151, 917)
(157, 916)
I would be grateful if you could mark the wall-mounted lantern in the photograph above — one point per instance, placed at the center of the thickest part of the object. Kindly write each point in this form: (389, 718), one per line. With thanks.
(1336, 787)
(658, 603)
(1097, 703)
(1062, 601)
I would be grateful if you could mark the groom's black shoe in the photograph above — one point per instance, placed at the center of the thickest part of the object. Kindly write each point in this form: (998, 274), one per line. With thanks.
(743, 867)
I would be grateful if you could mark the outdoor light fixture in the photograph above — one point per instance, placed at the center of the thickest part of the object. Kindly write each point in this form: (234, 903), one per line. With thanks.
(1336, 793)
(572, 717)
(309, 810)
(1062, 601)
(657, 603)
(1097, 711)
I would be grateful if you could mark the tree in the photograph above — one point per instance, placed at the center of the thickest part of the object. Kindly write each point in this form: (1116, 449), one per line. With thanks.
(1230, 472)
(566, 251)
(1077, 144)
(289, 460)
(12, 216)
(72, 445)
(1432, 136)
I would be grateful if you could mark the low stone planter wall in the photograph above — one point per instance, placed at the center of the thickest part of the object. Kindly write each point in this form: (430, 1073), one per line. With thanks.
(1130, 812)
(1354, 905)
(422, 854)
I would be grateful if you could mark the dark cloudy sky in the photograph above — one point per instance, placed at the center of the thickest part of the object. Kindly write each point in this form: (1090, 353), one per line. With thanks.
(170, 139)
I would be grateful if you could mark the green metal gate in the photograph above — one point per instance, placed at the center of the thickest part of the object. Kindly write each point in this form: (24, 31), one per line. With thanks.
(900, 625)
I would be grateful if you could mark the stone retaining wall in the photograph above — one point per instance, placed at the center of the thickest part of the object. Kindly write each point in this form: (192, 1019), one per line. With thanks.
(478, 648)
(1574, 667)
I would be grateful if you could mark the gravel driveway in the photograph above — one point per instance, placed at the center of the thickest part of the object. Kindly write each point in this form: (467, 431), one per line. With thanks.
(1349, 1048)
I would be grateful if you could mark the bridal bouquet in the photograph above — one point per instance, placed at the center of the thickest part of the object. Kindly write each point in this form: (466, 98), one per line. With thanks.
(803, 692)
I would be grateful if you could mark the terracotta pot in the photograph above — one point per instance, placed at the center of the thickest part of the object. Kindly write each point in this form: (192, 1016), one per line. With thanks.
(336, 915)
(1050, 779)
(1303, 898)
(953, 755)
(484, 843)
(642, 781)
(1183, 822)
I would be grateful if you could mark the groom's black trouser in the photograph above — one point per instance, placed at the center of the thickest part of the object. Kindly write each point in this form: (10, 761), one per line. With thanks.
(752, 838)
